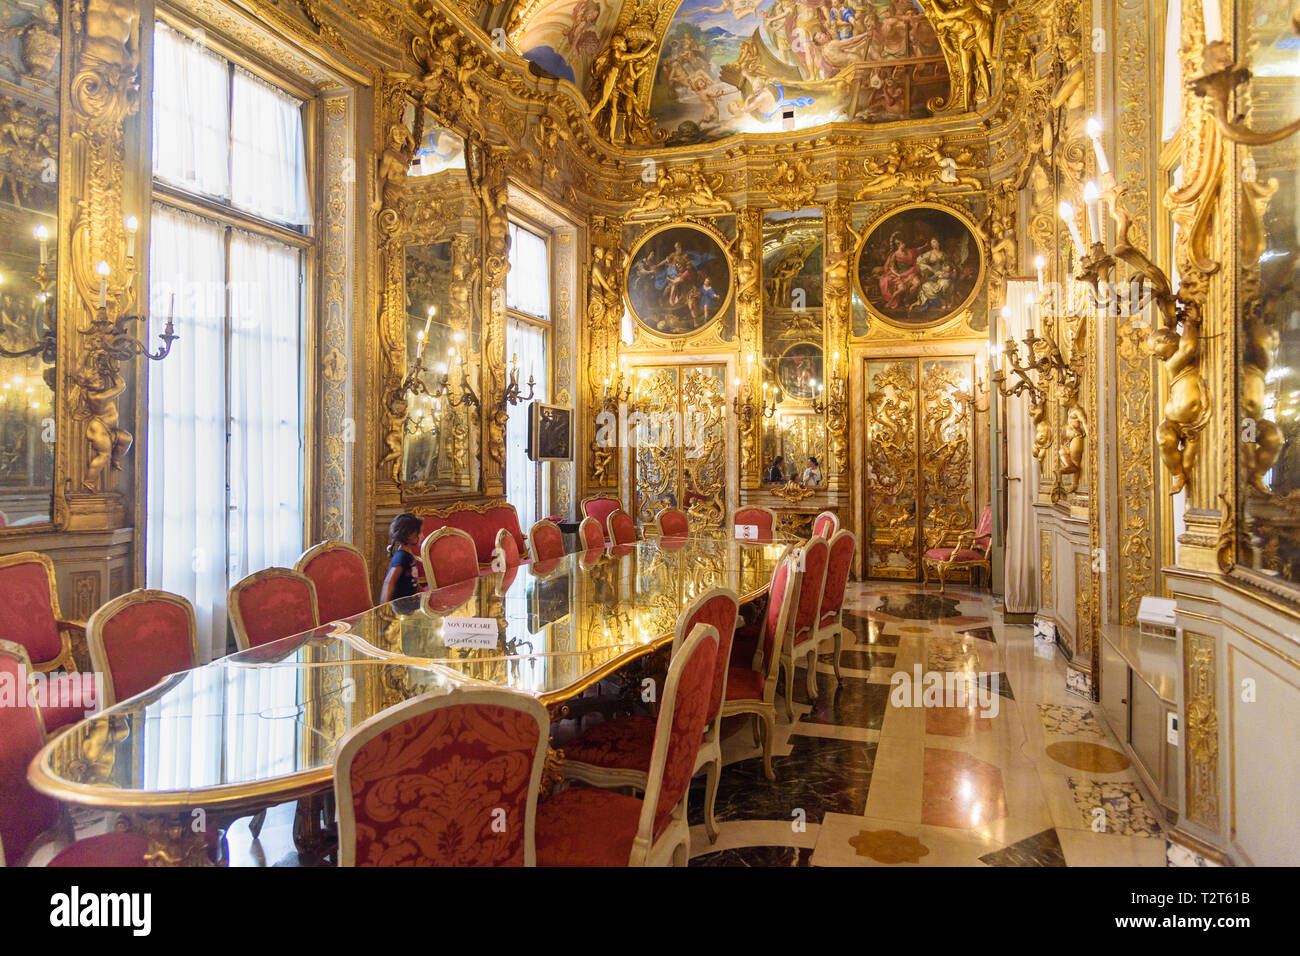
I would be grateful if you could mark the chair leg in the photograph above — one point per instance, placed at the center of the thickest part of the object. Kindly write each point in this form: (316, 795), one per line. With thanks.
(769, 731)
(812, 672)
(942, 583)
(754, 727)
(835, 661)
(681, 854)
(788, 667)
(255, 824)
(713, 773)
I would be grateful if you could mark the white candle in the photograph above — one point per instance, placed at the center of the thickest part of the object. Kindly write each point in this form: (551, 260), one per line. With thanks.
(1066, 210)
(419, 345)
(1094, 134)
(1213, 21)
(1092, 199)
(103, 270)
(428, 321)
(1039, 262)
(132, 226)
(43, 237)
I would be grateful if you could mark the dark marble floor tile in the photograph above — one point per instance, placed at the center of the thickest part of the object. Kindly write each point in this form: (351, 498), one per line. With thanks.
(1004, 685)
(868, 632)
(1041, 849)
(853, 702)
(917, 607)
(864, 659)
(981, 634)
(756, 856)
(819, 776)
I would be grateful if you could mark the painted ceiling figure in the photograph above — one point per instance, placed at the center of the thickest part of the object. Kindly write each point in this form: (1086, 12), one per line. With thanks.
(582, 37)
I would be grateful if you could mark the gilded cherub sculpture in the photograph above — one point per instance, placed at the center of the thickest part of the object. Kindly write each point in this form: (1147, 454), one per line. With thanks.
(1260, 345)
(1187, 407)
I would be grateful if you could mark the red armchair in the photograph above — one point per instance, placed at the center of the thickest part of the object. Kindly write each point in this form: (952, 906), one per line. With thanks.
(617, 752)
(342, 579)
(139, 638)
(449, 556)
(30, 616)
(672, 523)
(599, 507)
(546, 541)
(762, 518)
(756, 656)
(971, 551)
(830, 624)
(807, 613)
(271, 604)
(590, 534)
(507, 549)
(480, 522)
(621, 527)
(825, 525)
(587, 826)
(443, 781)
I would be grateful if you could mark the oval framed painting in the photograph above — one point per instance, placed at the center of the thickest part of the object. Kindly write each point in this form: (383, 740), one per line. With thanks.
(798, 371)
(678, 279)
(918, 266)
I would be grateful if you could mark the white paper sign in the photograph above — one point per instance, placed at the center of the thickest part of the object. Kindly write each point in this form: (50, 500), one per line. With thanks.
(747, 532)
(476, 633)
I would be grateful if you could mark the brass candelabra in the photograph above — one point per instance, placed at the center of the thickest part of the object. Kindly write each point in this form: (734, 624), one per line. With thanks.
(513, 393)
(1218, 84)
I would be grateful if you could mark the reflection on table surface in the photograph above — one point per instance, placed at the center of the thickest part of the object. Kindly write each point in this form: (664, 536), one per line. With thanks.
(263, 723)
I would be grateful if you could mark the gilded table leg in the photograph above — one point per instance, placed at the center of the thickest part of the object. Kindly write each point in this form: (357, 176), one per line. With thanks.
(314, 833)
(553, 768)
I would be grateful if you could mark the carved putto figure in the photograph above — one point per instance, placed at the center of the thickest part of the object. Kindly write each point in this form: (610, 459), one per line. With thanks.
(1187, 408)
(1261, 342)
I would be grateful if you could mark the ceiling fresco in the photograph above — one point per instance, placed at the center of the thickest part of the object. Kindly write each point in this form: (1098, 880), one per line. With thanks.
(564, 36)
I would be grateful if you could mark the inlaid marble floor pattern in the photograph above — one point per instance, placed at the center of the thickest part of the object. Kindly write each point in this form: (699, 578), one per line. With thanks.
(1023, 775)
(861, 782)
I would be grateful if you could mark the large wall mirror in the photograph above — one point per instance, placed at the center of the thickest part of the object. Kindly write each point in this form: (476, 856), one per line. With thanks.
(439, 278)
(1268, 364)
(29, 205)
(794, 364)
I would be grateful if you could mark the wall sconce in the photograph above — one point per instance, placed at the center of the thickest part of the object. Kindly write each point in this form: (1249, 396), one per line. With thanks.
(1223, 76)
(616, 392)
(512, 395)
(466, 395)
(45, 345)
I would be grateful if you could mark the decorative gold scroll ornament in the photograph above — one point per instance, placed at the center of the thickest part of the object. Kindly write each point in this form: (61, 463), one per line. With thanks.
(918, 169)
(681, 188)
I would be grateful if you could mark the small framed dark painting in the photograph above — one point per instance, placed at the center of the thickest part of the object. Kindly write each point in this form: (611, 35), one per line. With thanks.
(550, 432)
(799, 371)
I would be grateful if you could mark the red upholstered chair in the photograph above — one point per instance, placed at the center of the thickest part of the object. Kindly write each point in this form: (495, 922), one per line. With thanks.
(341, 577)
(762, 518)
(449, 557)
(447, 780)
(30, 616)
(506, 550)
(971, 551)
(807, 613)
(599, 507)
(590, 535)
(480, 522)
(617, 752)
(588, 826)
(621, 527)
(672, 523)
(546, 540)
(139, 638)
(756, 656)
(271, 604)
(825, 525)
(830, 623)
(28, 819)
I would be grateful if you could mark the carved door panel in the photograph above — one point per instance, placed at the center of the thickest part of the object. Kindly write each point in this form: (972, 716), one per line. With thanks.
(680, 458)
(920, 463)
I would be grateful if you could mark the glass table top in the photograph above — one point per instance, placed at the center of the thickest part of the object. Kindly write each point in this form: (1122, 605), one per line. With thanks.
(262, 725)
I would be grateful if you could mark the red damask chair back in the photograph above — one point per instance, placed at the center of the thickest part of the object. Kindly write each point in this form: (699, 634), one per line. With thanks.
(600, 507)
(984, 531)
(480, 522)
(815, 557)
(507, 549)
(838, 565)
(271, 604)
(825, 525)
(762, 518)
(449, 557)
(29, 610)
(622, 529)
(717, 608)
(443, 781)
(24, 813)
(546, 541)
(341, 577)
(672, 523)
(590, 534)
(139, 638)
(782, 599)
(679, 730)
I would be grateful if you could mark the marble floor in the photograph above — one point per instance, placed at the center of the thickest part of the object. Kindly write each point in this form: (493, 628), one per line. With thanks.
(1023, 774)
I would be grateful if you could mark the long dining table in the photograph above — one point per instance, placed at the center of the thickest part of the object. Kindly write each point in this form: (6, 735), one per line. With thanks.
(260, 727)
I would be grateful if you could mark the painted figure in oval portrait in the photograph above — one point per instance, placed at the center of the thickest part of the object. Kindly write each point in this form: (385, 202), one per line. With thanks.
(919, 266)
(678, 280)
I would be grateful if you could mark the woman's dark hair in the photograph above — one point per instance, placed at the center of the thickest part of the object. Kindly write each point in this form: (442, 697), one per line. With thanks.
(401, 528)
(778, 459)
(812, 460)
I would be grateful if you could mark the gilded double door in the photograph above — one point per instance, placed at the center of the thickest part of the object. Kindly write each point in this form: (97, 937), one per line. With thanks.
(920, 441)
(680, 442)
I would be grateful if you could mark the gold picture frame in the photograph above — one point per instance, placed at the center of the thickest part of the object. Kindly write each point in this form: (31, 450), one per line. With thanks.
(635, 277)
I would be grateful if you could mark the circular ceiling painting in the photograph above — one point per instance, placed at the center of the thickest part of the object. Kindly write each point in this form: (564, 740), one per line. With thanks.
(919, 266)
(678, 280)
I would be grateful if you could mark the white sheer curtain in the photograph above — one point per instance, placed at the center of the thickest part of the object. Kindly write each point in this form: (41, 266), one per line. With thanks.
(191, 113)
(265, 509)
(528, 286)
(527, 342)
(186, 503)
(268, 169)
(1020, 557)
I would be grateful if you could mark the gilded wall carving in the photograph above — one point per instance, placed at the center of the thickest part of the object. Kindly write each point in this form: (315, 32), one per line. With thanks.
(1200, 678)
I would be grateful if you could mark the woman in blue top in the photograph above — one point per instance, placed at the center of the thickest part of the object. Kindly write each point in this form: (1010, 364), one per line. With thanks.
(403, 578)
